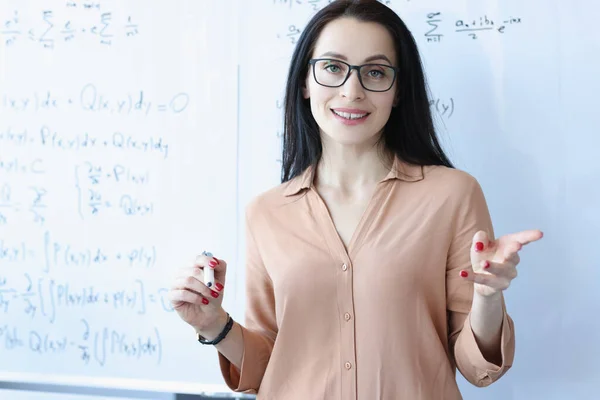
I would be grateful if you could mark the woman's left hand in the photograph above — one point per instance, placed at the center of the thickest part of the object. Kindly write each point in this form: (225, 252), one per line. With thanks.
(495, 262)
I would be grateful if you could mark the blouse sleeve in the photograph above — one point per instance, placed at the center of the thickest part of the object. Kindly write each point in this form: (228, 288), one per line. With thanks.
(260, 328)
(471, 216)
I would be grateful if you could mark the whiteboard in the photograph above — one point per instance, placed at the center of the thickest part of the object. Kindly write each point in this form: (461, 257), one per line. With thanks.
(132, 137)
(112, 165)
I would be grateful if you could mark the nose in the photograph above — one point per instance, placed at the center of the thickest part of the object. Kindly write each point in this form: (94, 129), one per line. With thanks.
(352, 89)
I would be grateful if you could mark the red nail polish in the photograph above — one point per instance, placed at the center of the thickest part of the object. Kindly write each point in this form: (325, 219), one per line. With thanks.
(218, 286)
(486, 265)
(204, 301)
(214, 294)
(479, 246)
(215, 260)
(212, 263)
(464, 274)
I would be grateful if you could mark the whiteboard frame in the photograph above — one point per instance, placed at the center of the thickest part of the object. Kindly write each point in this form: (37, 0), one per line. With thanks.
(138, 385)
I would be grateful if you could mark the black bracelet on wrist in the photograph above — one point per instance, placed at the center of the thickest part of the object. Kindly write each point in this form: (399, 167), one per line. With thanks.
(221, 336)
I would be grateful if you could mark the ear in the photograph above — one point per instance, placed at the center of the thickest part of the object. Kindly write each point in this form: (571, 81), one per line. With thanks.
(305, 92)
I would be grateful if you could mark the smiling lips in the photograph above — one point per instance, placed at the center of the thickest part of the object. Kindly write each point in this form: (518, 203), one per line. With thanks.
(350, 116)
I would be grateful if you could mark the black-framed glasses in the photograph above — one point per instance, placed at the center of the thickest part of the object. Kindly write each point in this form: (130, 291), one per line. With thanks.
(334, 73)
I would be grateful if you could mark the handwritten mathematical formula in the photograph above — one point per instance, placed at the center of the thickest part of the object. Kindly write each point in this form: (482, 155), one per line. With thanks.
(99, 189)
(99, 346)
(48, 138)
(52, 255)
(472, 27)
(49, 299)
(74, 22)
(92, 99)
(436, 28)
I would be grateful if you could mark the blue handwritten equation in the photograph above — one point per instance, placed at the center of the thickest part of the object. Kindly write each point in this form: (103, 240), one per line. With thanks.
(90, 98)
(90, 179)
(46, 298)
(55, 254)
(75, 21)
(30, 199)
(99, 346)
(17, 165)
(116, 173)
(473, 28)
(47, 138)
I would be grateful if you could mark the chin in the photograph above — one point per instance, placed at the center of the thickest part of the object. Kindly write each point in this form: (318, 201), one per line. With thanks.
(350, 137)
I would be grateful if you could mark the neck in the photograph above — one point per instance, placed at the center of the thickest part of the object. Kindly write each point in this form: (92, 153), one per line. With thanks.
(351, 168)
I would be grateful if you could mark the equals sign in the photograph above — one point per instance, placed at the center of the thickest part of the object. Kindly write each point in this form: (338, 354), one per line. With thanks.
(152, 298)
(162, 107)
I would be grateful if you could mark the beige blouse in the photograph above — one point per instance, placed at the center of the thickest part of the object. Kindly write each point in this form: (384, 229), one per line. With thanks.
(389, 318)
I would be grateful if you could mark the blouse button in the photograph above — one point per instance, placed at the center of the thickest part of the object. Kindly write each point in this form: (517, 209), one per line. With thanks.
(344, 267)
(347, 316)
(348, 365)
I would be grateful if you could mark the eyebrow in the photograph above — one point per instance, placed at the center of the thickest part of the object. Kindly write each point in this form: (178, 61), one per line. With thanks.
(368, 59)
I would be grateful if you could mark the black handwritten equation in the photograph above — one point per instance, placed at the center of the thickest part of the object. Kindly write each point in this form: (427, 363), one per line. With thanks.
(292, 34)
(92, 99)
(443, 107)
(94, 181)
(75, 21)
(50, 139)
(48, 299)
(473, 28)
(55, 255)
(98, 346)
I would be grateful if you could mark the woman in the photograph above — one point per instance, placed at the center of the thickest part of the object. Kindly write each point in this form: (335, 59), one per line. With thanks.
(372, 270)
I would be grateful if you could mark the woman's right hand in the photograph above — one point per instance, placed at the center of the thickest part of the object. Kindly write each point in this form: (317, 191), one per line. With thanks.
(195, 303)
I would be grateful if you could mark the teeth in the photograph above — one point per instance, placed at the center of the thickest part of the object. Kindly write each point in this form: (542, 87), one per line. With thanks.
(348, 115)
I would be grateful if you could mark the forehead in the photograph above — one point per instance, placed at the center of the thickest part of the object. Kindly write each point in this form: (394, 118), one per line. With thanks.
(355, 39)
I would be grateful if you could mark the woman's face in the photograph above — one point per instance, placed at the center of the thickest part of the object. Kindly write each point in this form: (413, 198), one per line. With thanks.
(350, 114)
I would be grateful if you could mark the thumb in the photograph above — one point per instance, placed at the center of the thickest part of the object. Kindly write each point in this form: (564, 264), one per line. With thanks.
(481, 242)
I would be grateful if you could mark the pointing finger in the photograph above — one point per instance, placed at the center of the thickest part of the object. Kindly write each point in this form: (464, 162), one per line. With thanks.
(512, 249)
(527, 236)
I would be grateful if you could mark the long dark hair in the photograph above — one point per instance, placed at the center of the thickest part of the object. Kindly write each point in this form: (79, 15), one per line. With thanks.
(409, 132)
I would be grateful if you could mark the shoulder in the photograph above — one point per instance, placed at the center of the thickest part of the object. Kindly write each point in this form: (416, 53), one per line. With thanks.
(270, 200)
(453, 189)
(461, 195)
(450, 181)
